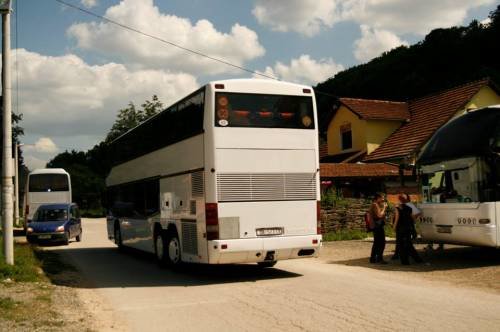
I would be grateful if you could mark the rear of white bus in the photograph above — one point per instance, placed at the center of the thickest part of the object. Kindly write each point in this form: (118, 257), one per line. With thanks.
(46, 186)
(261, 171)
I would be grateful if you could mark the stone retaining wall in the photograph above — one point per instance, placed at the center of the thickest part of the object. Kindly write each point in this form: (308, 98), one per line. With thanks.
(347, 215)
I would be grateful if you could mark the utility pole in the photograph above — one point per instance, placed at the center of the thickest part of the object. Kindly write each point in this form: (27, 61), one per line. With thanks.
(7, 190)
(16, 184)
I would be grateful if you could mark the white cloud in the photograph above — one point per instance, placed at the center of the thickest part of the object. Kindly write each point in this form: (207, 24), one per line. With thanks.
(64, 96)
(43, 145)
(305, 70)
(374, 42)
(33, 162)
(409, 16)
(308, 17)
(75, 103)
(238, 46)
(89, 3)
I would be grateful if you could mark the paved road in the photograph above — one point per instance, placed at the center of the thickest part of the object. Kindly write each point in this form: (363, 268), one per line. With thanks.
(307, 294)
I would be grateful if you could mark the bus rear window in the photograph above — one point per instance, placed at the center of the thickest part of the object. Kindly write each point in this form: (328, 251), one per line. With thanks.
(263, 111)
(48, 182)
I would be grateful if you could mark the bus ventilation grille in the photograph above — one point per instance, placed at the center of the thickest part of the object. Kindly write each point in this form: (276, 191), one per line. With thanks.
(189, 237)
(197, 187)
(248, 187)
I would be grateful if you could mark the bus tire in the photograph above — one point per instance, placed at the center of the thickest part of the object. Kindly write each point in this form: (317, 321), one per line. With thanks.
(173, 249)
(160, 248)
(118, 236)
(267, 264)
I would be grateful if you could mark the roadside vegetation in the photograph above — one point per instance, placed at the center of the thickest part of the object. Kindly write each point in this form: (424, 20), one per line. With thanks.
(28, 300)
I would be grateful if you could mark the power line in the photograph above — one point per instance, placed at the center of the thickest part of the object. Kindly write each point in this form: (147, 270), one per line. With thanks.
(88, 12)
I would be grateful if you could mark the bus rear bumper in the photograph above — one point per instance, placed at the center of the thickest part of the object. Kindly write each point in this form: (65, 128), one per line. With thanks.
(263, 249)
(473, 235)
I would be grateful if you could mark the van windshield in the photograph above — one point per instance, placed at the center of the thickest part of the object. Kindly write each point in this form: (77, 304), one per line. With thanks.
(42, 215)
(263, 111)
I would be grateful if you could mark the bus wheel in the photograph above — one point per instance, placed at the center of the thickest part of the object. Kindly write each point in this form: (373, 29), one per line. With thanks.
(118, 236)
(160, 252)
(173, 257)
(267, 264)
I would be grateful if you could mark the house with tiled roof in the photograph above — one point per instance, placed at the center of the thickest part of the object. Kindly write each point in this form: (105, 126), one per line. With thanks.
(430, 113)
(374, 144)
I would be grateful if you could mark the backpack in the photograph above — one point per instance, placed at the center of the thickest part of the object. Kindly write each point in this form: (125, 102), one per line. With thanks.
(369, 222)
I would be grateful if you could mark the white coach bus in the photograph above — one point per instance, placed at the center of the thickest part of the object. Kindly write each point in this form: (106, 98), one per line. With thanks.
(46, 186)
(461, 181)
(229, 174)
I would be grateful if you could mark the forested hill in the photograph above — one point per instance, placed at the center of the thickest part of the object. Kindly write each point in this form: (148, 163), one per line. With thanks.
(445, 58)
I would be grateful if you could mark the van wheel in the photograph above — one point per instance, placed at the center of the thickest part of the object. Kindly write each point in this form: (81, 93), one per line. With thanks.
(66, 238)
(173, 250)
(160, 249)
(267, 264)
(79, 236)
(118, 237)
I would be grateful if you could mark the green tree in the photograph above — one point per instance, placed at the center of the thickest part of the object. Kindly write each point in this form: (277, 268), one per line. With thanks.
(131, 117)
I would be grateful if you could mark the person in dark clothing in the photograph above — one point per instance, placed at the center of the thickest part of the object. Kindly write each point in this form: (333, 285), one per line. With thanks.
(415, 214)
(404, 225)
(378, 211)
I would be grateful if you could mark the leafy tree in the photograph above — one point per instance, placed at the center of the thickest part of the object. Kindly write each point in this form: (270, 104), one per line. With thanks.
(131, 117)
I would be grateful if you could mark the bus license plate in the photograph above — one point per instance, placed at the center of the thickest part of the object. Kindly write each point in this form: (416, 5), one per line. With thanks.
(42, 237)
(269, 231)
(444, 229)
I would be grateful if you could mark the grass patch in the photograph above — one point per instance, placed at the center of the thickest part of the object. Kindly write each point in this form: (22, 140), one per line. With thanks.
(7, 303)
(93, 213)
(26, 266)
(354, 234)
(345, 235)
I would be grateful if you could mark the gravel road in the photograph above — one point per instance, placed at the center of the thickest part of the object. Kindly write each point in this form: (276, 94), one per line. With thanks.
(338, 291)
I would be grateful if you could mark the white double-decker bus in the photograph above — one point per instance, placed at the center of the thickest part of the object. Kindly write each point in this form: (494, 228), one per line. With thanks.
(229, 174)
(45, 186)
(461, 181)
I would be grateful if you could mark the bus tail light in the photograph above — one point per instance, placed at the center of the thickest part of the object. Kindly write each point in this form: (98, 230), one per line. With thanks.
(318, 217)
(212, 221)
(484, 221)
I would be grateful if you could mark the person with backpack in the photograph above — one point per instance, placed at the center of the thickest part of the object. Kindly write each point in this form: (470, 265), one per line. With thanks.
(377, 213)
(404, 225)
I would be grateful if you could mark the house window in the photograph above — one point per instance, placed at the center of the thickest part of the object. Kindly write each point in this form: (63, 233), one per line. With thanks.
(346, 136)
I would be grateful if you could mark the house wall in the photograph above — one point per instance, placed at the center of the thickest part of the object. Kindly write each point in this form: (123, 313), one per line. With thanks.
(377, 132)
(486, 96)
(358, 128)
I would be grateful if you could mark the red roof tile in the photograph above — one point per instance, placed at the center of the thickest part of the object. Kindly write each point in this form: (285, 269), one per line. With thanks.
(377, 109)
(428, 114)
(346, 170)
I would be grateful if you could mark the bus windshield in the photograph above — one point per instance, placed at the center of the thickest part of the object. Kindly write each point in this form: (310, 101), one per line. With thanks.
(48, 182)
(472, 180)
(263, 111)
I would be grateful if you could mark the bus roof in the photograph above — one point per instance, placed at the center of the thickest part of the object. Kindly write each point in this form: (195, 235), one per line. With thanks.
(233, 84)
(474, 134)
(48, 171)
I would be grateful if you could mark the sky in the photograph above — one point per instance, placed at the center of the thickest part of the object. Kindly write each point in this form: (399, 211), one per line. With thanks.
(72, 72)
